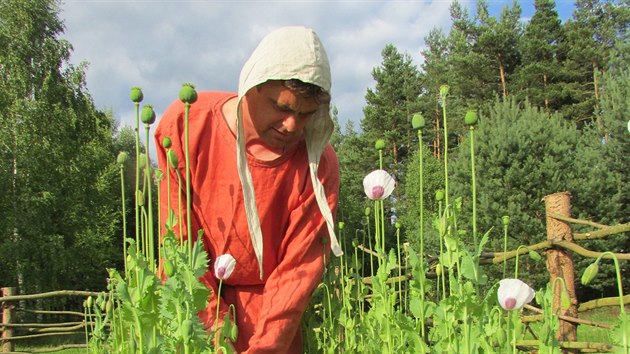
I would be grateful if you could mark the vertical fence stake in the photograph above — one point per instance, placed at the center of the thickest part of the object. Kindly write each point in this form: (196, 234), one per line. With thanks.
(7, 317)
(560, 262)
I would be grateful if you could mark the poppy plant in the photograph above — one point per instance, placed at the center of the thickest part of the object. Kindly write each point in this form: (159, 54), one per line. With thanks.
(513, 294)
(378, 185)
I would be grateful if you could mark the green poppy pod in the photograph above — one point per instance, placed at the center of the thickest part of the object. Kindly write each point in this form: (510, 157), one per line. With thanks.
(171, 156)
(443, 91)
(590, 273)
(122, 157)
(147, 115)
(505, 219)
(439, 195)
(417, 121)
(166, 142)
(368, 211)
(187, 93)
(341, 225)
(380, 144)
(136, 94)
(397, 225)
(471, 117)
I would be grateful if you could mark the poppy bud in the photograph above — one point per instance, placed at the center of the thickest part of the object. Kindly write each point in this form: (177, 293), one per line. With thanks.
(187, 330)
(500, 336)
(169, 268)
(100, 302)
(187, 93)
(140, 198)
(147, 116)
(136, 94)
(142, 160)
(439, 269)
(535, 256)
(417, 121)
(368, 211)
(233, 333)
(590, 273)
(172, 158)
(109, 306)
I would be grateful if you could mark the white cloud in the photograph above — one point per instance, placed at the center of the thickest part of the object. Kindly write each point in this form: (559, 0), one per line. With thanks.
(158, 45)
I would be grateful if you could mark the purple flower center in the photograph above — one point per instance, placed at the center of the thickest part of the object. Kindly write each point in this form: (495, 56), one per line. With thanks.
(377, 192)
(510, 303)
(220, 272)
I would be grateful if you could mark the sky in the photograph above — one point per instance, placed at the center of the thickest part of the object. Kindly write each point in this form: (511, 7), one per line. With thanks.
(160, 44)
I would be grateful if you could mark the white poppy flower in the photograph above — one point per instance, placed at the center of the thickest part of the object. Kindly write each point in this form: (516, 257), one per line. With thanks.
(513, 294)
(378, 185)
(224, 266)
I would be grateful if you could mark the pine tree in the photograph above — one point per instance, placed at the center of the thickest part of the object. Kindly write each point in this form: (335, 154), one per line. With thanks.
(435, 72)
(498, 41)
(539, 76)
(591, 34)
(523, 154)
(390, 106)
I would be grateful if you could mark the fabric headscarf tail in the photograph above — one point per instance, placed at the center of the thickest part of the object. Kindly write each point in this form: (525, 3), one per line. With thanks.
(284, 54)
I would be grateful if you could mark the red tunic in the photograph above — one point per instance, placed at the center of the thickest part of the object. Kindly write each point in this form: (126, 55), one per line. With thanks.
(268, 311)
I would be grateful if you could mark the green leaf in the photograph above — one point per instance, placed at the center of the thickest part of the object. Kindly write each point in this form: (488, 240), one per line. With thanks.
(415, 307)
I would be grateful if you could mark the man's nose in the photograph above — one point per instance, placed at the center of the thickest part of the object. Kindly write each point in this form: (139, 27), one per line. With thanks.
(290, 123)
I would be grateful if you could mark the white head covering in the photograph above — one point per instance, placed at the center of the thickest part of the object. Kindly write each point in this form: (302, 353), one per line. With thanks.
(284, 54)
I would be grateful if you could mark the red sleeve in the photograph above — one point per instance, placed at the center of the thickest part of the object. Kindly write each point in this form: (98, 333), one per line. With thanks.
(173, 193)
(289, 287)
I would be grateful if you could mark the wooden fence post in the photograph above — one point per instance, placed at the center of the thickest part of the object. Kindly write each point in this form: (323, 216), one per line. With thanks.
(7, 317)
(560, 262)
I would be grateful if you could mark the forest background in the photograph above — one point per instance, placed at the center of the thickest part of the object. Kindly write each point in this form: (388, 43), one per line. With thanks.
(553, 99)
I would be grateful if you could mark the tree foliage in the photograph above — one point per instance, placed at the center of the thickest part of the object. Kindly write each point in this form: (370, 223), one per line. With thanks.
(56, 156)
(522, 155)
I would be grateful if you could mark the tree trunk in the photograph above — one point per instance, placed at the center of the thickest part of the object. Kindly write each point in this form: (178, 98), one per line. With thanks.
(545, 90)
(503, 81)
(7, 317)
(436, 139)
(560, 263)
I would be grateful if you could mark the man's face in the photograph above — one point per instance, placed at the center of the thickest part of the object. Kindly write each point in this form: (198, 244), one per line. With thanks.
(278, 115)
